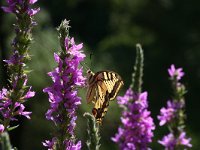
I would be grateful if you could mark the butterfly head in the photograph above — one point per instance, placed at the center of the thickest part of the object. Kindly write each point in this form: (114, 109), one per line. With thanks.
(89, 72)
(90, 75)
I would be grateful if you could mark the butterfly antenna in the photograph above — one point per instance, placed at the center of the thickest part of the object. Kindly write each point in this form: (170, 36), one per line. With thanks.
(91, 58)
(85, 66)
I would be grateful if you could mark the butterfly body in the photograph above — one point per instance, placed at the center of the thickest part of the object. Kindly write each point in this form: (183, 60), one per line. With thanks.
(103, 86)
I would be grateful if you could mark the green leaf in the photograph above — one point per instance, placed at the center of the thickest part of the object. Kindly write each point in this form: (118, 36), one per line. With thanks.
(12, 128)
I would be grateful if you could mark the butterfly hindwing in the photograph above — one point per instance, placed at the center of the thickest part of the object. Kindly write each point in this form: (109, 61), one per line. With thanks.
(100, 108)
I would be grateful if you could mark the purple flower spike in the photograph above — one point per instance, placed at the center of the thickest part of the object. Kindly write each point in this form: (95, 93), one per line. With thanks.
(63, 95)
(177, 73)
(137, 124)
(12, 98)
(174, 114)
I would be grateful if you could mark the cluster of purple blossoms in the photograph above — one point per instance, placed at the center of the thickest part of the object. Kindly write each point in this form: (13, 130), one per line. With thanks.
(169, 113)
(63, 95)
(9, 109)
(136, 131)
(20, 7)
(12, 98)
(170, 141)
(173, 115)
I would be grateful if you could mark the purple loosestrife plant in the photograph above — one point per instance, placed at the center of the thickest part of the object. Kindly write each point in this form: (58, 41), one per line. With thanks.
(173, 115)
(137, 124)
(12, 98)
(63, 98)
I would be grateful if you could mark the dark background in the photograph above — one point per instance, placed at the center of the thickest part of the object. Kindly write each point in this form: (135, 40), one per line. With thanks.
(169, 31)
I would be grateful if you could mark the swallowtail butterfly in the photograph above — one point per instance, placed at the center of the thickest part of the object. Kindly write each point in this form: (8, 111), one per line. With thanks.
(103, 86)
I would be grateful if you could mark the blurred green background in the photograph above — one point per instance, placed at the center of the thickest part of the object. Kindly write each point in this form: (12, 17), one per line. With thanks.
(169, 31)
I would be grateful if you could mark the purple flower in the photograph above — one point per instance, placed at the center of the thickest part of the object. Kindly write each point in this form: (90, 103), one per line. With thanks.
(14, 59)
(49, 144)
(20, 110)
(32, 1)
(182, 140)
(72, 146)
(170, 141)
(169, 113)
(32, 12)
(63, 95)
(175, 73)
(29, 94)
(137, 124)
(123, 100)
(1, 128)
(3, 94)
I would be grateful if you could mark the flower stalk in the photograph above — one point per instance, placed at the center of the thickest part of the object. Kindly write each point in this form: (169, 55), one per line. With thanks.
(93, 142)
(174, 114)
(63, 98)
(5, 141)
(137, 75)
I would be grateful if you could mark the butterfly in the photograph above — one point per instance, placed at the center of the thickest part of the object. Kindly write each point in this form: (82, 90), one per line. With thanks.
(103, 86)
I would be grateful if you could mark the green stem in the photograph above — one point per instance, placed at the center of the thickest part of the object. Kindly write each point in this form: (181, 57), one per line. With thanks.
(93, 142)
(138, 70)
(5, 141)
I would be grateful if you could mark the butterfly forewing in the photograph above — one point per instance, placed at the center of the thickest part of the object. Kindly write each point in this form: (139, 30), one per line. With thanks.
(113, 83)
